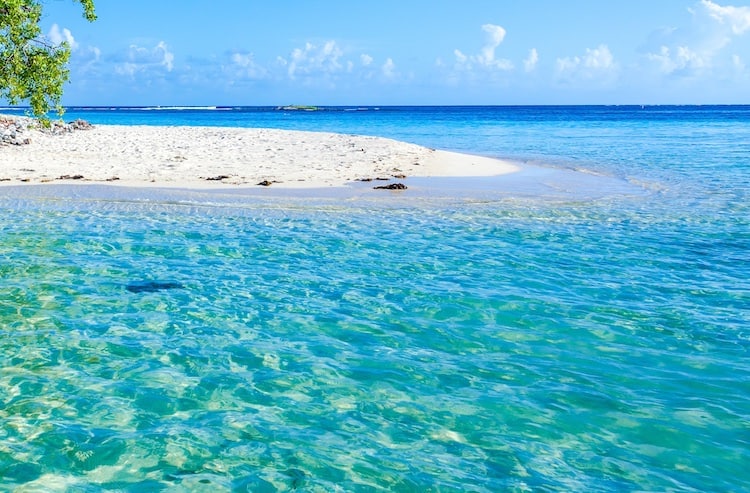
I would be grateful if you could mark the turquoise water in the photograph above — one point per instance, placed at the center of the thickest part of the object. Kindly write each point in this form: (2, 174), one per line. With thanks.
(523, 343)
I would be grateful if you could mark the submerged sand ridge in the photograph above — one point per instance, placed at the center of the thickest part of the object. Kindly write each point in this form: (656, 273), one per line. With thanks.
(207, 157)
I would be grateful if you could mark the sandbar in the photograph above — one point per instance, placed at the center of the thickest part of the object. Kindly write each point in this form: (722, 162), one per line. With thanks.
(226, 157)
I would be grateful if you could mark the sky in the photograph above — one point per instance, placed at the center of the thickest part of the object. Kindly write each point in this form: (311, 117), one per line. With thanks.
(404, 52)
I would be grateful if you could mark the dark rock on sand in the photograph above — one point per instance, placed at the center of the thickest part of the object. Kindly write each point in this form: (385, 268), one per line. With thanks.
(80, 125)
(392, 186)
(14, 129)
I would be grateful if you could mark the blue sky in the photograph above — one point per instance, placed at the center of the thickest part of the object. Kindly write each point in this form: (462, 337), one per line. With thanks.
(382, 52)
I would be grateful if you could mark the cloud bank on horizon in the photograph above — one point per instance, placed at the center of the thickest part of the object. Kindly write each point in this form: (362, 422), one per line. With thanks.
(702, 58)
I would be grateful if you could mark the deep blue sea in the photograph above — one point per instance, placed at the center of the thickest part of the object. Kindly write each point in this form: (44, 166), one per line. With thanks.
(517, 342)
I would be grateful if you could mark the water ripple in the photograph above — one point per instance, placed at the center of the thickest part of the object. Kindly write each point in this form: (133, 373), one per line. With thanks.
(475, 348)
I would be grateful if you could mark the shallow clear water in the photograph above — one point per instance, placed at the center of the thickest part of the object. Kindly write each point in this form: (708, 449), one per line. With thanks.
(522, 343)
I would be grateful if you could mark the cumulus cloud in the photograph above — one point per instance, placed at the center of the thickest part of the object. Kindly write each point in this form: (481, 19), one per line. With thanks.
(87, 58)
(389, 69)
(594, 59)
(329, 65)
(84, 58)
(140, 59)
(314, 60)
(596, 64)
(167, 59)
(486, 58)
(58, 37)
(531, 61)
(695, 50)
(94, 53)
(738, 64)
(244, 65)
(495, 36)
(680, 59)
(737, 18)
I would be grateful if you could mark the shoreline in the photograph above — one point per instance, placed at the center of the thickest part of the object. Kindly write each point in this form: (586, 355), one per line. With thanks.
(227, 158)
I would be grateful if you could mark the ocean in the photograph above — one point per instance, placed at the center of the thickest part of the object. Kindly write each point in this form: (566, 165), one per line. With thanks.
(590, 334)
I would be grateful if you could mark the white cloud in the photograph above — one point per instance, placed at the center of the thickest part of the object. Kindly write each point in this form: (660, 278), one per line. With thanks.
(693, 51)
(140, 59)
(495, 36)
(738, 18)
(678, 60)
(594, 59)
(598, 58)
(531, 61)
(389, 69)
(486, 58)
(244, 65)
(738, 64)
(57, 37)
(84, 59)
(167, 56)
(596, 64)
(314, 59)
(88, 57)
(326, 64)
(95, 53)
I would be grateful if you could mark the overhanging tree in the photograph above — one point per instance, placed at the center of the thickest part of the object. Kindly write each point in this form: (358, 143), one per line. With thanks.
(31, 68)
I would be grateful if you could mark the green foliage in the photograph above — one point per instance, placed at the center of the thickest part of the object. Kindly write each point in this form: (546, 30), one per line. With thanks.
(31, 68)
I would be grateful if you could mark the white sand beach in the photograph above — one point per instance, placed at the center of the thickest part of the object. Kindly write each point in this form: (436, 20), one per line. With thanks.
(211, 157)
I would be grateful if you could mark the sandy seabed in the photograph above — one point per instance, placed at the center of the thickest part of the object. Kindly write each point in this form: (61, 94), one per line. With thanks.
(211, 157)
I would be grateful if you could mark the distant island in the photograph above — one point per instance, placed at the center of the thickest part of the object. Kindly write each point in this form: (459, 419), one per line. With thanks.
(296, 107)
